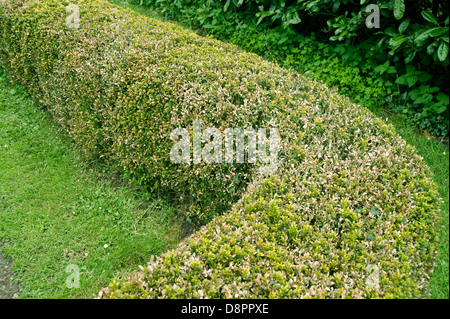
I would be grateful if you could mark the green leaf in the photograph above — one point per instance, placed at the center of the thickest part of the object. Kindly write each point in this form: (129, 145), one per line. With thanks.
(430, 49)
(263, 15)
(295, 19)
(411, 79)
(442, 51)
(410, 69)
(391, 69)
(434, 89)
(427, 15)
(225, 7)
(336, 6)
(374, 211)
(403, 25)
(371, 236)
(423, 99)
(443, 98)
(390, 31)
(421, 37)
(413, 94)
(439, 108)
(399, 9)
(401, 80)
(410, 57)
(397, 40)
(424, 76)
(380, 43)
(382, 68)
(435, 32)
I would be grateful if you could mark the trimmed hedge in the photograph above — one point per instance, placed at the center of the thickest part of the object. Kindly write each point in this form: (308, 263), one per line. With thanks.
(360, 196)
(121, 83)
(349, 193)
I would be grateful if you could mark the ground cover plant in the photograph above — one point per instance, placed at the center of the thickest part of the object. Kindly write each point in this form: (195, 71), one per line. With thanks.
(349, 195)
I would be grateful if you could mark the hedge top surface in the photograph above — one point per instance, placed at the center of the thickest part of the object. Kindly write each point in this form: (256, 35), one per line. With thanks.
(121, 83)
(349, 196)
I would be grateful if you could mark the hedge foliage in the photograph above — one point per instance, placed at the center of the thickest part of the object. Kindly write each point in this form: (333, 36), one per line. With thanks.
(402, 65)
(354, 196)
(349, 193)
(122, 83)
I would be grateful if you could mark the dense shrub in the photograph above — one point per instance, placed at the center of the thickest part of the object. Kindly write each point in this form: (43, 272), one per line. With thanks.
(349, 193)
(404, 63)
(354, 198)
(121, 84)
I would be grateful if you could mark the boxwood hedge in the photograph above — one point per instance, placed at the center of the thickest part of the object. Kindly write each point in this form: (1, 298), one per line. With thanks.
(350, 212)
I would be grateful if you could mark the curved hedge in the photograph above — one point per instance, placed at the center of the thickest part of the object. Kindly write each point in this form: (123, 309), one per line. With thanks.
(360, 197)
(348, 195)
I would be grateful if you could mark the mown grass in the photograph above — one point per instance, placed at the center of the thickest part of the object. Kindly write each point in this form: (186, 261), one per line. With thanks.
(435, 154)
(58, 209)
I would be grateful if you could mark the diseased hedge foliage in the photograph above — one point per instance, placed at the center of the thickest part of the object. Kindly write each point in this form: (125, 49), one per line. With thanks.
(349, 192)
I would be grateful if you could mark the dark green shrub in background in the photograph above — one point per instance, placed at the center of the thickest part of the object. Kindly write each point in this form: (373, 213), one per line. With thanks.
(402, 65)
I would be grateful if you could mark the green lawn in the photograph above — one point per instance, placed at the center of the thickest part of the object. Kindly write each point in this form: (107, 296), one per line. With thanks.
(57, 209)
